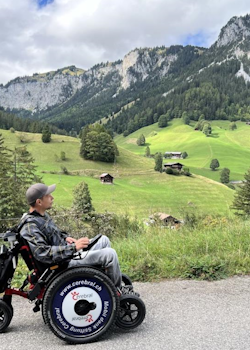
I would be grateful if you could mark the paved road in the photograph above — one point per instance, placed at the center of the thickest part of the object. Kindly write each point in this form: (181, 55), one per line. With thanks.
(181, 315)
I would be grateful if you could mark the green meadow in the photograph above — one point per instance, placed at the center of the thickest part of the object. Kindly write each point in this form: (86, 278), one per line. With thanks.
(211, 248)
(231, 148)
(138, 190)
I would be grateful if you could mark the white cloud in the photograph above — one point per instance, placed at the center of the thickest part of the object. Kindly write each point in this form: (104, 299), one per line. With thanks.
(86, 32)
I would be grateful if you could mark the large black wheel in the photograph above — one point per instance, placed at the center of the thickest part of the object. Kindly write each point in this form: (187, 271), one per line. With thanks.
(5, 315)
(80, 305)
(132, 312)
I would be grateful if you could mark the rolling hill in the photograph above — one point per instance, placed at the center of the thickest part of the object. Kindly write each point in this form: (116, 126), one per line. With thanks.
(231, 148)
(138, 190)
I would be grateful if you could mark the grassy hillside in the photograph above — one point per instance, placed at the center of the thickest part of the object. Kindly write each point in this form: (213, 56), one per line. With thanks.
(138, 190)
(231, 148)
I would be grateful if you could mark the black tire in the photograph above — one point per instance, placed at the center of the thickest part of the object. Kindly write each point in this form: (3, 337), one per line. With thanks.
(126, 280)
(80, 305)
(5, 315)
(7, 300)
(132, 312)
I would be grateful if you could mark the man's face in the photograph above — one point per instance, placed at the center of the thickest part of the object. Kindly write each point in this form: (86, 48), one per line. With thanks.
(46, 202)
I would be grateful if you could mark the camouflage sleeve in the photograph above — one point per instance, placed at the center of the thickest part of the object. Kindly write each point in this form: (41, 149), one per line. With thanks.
(40, 248)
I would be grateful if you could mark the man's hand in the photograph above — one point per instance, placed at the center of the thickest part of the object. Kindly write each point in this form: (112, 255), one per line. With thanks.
(70, 240)
(81, 243)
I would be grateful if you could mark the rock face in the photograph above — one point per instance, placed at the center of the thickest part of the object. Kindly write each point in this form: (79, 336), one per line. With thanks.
(42, 91)
(237, 29)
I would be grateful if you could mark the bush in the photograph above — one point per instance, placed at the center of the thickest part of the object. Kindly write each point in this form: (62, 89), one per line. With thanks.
(176, 172)
(186, 172)
(63, 155)
(169, 171)
(184, 155)
(64, 170)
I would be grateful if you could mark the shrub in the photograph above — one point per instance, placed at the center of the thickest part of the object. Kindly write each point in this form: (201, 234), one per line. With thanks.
(184, 155)
(63, 155)
(64, 170)
(169, 171)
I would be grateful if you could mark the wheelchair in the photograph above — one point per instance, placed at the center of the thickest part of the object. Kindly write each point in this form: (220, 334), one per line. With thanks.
(78, 304)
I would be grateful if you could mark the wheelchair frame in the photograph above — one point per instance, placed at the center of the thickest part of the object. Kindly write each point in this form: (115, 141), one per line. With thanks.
(79, 304)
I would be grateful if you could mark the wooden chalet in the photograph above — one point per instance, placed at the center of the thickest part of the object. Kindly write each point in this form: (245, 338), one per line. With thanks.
(174, 155)
(166, 219)
(106, 178)
(174, 166)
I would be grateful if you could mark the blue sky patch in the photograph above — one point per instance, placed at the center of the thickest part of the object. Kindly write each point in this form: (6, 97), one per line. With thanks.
(43, 3)
(198, 39)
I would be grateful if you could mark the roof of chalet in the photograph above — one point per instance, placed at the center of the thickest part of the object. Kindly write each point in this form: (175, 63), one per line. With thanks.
(106, 174)
(173, 164)
(173, 153)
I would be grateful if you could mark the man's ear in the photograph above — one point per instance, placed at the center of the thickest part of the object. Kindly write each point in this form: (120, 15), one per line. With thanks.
(38, 202)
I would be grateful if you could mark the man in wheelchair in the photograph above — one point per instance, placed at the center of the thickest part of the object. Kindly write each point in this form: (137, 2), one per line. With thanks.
(77, 282)
(50, 246)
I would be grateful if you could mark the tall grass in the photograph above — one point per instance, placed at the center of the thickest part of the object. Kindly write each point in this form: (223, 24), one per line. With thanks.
(213, 249)
(206, 247)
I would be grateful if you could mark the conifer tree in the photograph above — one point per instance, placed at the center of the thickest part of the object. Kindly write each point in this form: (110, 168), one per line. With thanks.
(141, 140)
(82, 202)
(158, 162)
(147, 152)
(163, 121)
(241, 203)
(46, 134)
(225, 176)
(17, 173)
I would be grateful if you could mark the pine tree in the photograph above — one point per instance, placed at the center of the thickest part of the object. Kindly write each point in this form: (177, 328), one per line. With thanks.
(225, 176)
(163, 121)
(141, 140)
(158, 162)
(6, 181)
(17, 173)
(82, 202)
(241, 201)
(147, 152)
(46, 134)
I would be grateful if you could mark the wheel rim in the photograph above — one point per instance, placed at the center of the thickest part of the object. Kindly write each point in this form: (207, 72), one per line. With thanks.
(132, 312)
(3, 319)
(128, 312)
(82, 308)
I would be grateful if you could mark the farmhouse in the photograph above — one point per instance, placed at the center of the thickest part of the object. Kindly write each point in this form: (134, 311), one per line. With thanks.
(106, 179)
(173, 155)
(174, 166)
(166, 219)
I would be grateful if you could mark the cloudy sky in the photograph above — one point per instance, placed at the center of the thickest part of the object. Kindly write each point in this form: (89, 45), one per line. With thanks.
(41, 35)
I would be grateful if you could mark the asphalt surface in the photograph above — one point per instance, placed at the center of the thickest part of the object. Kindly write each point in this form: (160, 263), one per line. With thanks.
(181, 315)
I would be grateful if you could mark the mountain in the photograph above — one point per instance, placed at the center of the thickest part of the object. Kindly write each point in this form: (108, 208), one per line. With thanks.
(151, 81)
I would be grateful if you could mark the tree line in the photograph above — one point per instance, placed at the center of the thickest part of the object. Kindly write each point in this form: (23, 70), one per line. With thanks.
(9, 120)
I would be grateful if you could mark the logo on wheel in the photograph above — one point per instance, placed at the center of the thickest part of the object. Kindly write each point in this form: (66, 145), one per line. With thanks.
(74, 295)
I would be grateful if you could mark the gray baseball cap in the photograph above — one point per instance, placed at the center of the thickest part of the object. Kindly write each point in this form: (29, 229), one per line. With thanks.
(37, 191)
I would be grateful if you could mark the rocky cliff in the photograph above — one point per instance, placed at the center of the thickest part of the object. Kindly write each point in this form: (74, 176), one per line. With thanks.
(42, 91)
